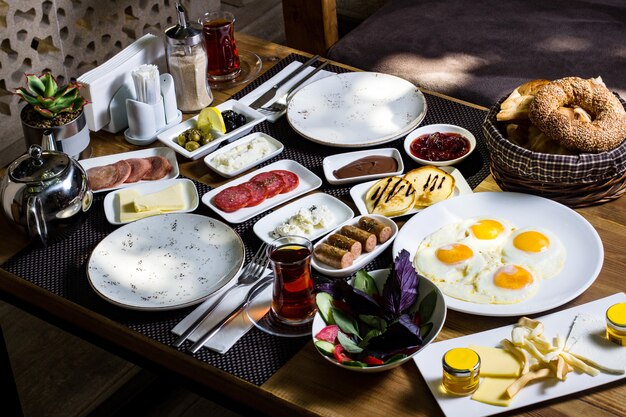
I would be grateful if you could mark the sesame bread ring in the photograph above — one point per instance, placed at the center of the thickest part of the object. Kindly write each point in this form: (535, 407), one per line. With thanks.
(605, 132)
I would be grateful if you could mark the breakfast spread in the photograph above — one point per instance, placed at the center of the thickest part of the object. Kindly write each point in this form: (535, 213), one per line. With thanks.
(369, 165)
(305, 222)
(243, 155)
(128, 171)
(489, 261)
(440, 146)
(133, 205)
(252, 193)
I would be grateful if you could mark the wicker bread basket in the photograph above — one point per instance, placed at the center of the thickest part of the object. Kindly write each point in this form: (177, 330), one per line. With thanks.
(574, 180)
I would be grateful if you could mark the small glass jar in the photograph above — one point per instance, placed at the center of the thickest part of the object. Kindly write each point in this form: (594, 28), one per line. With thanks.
(616, 324)
(461, 371)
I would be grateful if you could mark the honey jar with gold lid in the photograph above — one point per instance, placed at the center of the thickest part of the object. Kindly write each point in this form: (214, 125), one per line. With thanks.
(616, 323)
(461, 371)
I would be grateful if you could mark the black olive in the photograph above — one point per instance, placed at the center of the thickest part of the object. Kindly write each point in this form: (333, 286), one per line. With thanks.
(230, 125)
(240, 120)
(228, 115)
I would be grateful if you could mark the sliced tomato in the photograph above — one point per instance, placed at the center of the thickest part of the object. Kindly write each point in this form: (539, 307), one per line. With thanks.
(371, 360)
(328, 333)
(339, 355)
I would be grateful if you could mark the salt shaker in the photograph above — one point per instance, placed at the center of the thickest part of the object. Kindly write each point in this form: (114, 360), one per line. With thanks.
(187, 62)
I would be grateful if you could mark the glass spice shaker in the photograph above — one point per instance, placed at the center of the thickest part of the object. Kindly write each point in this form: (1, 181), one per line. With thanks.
(187, 62)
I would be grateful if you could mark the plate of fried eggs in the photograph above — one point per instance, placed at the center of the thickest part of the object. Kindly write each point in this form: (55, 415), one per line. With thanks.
(503, 254)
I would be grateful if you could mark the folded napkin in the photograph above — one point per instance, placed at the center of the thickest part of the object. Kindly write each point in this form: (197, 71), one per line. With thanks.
(257, 92)
(233, 331)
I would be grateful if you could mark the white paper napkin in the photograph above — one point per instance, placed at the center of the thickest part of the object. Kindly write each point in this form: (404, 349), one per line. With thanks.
(233, 331)
(257, 92)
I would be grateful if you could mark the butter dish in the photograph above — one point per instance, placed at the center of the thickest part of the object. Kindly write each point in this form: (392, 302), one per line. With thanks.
(190, 196)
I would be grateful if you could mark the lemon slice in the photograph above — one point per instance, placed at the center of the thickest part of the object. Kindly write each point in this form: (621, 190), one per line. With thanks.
(210, 118)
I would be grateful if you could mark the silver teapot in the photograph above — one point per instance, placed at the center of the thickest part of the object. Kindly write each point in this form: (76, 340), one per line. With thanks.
(45, 192)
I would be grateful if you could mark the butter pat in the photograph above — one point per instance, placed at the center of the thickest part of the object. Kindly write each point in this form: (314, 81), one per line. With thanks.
(497, 362)
(493, 391)
(169, 199)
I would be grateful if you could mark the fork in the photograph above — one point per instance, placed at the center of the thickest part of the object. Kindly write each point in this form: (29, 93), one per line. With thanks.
(250, 274)
(280, 105)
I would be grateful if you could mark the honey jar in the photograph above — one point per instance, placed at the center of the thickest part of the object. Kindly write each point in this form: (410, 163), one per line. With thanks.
(616, 324)
(461, 370)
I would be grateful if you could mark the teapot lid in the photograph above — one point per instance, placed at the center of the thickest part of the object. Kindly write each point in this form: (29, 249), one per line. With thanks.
(38, 165)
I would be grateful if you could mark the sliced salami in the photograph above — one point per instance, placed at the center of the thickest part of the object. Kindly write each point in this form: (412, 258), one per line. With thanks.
(258, 193)
(139, 168)
(271, 181)
(102, 177)
(232, 198)
(290, 179)
(160, 168)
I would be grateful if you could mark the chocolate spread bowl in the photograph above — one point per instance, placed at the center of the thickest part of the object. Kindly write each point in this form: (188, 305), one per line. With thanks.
(360, 166)
(445, 132)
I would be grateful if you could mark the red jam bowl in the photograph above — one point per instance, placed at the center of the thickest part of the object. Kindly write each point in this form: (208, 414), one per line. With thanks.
(439, 144)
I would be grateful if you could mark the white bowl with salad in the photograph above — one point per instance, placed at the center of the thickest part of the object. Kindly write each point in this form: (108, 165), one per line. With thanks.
(382, 329)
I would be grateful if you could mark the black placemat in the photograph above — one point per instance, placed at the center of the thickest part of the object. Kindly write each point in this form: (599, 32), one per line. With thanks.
(61, 267)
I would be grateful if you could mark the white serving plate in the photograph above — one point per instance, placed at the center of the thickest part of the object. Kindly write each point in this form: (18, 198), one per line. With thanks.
(443, 128)
(334, 162)
(584, 251)
(364, 258)
(358, 192)
(144, 153)
(429, 364)
(165, 262)
(308, 182)
(169, 136)
(438, 319)
(191, 199)
(356, 109)
(341, 212)
(208, 160)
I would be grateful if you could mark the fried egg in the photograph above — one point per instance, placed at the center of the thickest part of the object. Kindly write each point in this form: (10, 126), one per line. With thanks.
(485, 234)
(506, 284)
(450, 262)
(536, 248)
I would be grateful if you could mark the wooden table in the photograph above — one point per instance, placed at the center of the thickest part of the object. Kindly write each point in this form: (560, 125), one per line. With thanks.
(306, 385)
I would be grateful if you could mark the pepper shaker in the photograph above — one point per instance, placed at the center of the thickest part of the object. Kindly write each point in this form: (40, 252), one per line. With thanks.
(187, 62)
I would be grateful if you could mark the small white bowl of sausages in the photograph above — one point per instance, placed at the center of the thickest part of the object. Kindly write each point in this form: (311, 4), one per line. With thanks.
(353, 245)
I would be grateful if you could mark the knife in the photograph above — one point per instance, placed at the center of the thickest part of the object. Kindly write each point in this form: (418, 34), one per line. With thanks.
(254, 291)
(269, 94)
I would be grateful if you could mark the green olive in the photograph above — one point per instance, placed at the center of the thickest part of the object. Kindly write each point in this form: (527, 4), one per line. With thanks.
(207, 138)
(195, 135)
(192, 146)
(182, 139)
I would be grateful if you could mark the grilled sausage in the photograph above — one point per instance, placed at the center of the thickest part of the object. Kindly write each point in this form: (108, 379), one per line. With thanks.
(345, 243)
(333, 256)
(382, 232)
(367, 239)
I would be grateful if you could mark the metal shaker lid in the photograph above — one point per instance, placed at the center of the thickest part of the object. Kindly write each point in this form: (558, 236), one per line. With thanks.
(183, 33)
(38, 165)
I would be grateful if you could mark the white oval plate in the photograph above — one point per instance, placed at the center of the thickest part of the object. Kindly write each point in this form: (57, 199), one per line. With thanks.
(168, 137)
(356, 109)
(190, 194)
(359, 191)
(208, 160)
(144, 153)
(584, 258)
(438, 319)
(334, 162)
(308, 182)
(165, 262)
(364, 258)
(341, 212)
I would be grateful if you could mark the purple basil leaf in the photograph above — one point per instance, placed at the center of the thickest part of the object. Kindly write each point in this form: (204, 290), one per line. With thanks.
(362, 303)
(400, 290)
(400, 336)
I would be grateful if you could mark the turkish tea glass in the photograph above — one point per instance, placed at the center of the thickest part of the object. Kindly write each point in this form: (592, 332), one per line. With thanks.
(218, 30)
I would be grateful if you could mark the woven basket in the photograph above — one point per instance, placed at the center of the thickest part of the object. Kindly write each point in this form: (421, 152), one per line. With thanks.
(574, 180)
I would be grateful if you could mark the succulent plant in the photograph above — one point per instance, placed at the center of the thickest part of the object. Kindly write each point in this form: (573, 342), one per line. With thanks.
(47, 98)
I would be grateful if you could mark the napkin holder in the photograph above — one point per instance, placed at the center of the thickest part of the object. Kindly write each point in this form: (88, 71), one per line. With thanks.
(145, 121)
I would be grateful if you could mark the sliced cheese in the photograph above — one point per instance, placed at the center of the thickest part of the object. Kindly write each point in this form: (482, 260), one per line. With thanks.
(493, 391)
(169, 199)
(497, 362)
(126, 204)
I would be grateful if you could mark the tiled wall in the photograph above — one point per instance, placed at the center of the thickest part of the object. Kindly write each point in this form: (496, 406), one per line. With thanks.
(69, 37)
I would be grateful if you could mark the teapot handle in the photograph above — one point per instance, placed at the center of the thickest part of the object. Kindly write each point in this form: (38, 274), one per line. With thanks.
(35, 221)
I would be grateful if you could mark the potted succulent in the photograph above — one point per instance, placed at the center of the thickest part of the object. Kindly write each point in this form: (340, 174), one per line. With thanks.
(54, 108)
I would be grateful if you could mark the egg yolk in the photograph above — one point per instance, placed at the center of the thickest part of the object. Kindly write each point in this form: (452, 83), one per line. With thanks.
(512, 277)
(487, 229)
(531, 241)
(454, 253)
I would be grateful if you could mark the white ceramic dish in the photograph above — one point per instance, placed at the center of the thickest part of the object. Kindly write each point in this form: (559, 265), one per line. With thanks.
(341, 214)
(438, 319)
(356, 109)
(584, 257)
(429, 364)
(168, 137)
(358, 192)
(443, 128)
(308, 182)
(334, 162)
(144, 153)
(165, 262)
(209, 159)
(190, 193)
(364, 258)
